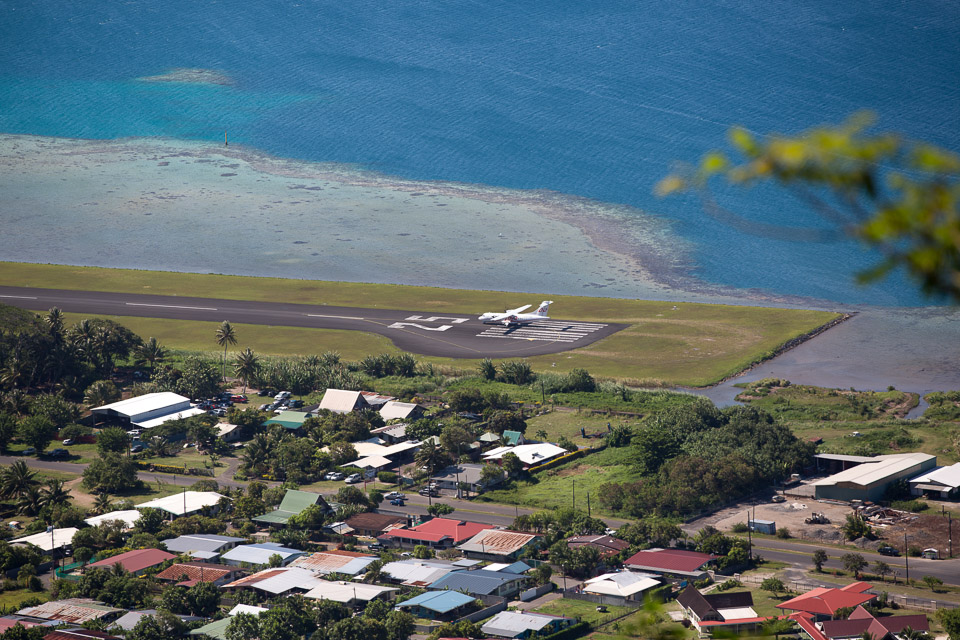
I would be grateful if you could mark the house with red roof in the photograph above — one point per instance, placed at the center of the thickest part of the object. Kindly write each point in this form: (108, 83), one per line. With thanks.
(859, 624)
(136, 561)
(824, 602)
(187, 574)
(671, 562)
(438, 533)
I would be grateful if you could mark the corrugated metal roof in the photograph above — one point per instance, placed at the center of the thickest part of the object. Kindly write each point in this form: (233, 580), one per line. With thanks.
(286, 580)
(259, 553)
(513, 623)
(417, 572)
(498, 542)
(669, 560)
(139, 405)
(340, 591)
(877, 470)
(200, 542)
(182, 503)
(347, 562)
(478, 582)
(439, 528)
(394, 410)
(79, 634)
(623, 583)
(128, 517)
(528, 453)
(947, 476)
(75, 610)
(341, 401)
(58, 539)
(179, 414)
(136, 560)
(438, 601)
(202, 571)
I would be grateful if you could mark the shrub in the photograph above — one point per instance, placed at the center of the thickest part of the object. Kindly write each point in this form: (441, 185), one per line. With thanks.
(387, 477)
(910, 505)
(740, 527)
(783, 533)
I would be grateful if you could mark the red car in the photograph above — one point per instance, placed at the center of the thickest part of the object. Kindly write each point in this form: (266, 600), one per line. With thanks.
(238, 398)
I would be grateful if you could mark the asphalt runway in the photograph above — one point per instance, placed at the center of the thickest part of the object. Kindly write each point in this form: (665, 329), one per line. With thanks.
(455, 335)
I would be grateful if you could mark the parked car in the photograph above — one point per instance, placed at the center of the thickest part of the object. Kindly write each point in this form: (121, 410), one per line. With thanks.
(134, 432)
(58, 453)
(283, 395)
(778, 498)
(353, 478)
(393, 495)
(137, 448)
(238, 398)
(265, 393)
(888, 551)
(295, 404)
(375, 546)
(29, 451)
(399, 502)
(333, 475)
(220, 412)
(264, 407)
(68, 441)
(433, 492)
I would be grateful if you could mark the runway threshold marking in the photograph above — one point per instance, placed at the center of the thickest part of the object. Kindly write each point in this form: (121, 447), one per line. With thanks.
(317, 315)
(552, 331)
(21, 297)
(169, 306)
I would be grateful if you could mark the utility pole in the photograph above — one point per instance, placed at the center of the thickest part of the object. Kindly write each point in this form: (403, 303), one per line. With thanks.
(574, 494)
(906, 556)
(588, 504)
(749, 537)
(950, 534)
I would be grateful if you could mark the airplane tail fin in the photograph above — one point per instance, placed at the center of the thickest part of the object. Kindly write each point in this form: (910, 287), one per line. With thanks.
(542, 309)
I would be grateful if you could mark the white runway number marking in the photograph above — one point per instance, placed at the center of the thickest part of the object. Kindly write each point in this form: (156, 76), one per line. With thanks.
(439, 319)
(401, 325)
(168, 306)
(546, 330)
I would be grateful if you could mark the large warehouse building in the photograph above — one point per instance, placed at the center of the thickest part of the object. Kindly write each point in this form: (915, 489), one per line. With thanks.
(870, 479)
(146, 411)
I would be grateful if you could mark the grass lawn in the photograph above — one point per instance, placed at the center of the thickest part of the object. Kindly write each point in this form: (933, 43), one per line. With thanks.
(631, 628)
(10, 600)
(555, 488)
(189, 458)
(568, 423)
(586, 611)
(687, 343)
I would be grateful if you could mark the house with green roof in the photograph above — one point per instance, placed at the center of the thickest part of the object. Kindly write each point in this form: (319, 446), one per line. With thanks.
(513, 438)
(293, 503)
(290, 420)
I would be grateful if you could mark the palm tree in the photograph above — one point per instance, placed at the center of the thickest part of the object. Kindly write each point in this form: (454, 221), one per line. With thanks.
(16, 479)
(16, 401)
(55, 495)
(152, 352)
(226, 336)
(246, 366)
(102, 504)
(30, 502)
(54, 320)
(100, 393)
(430, 457)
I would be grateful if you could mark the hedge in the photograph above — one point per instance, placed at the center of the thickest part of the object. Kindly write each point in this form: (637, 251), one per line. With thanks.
(575, 631)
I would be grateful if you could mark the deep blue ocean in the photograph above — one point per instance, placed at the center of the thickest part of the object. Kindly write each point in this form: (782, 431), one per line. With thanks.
(594, 99)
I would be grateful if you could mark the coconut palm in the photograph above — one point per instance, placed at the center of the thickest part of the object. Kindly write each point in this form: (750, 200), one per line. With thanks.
(102, 504)
(30, 502)
(100, 393)
(151, 352)
(16, 479)
(226, 336)
(54, 320)
(431, 457)
(16, 401)
(54, 495)
(246, 366)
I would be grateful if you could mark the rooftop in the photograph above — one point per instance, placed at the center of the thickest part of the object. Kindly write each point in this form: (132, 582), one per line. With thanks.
(394, 410)
(140, 405)
(57, 539)
(136, 560)
(182, 503)
(439, 529)
(340, 591)
(438, 601)
(669, 560)
(128, 517)
(279, 580)
(529, 454)
(418, 573)
(478, 582)
(294, 502)
(608, 545)
(259, 553)
(374, 521)
(73, 610)
(878, 469)
(623, 583)
(205, 542)
(199, 571)
(342, 401)
(946, 476)
(498, 542)
(513, 623)
(826, 601)
(335, 561)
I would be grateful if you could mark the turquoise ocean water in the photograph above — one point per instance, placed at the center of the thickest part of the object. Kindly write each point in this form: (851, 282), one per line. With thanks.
(591, 99)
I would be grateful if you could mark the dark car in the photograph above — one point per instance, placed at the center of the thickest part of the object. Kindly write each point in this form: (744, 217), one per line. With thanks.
(263, 393)
(399, 502)
(296, 404)
(888, 551)
(238, 398)
(137, 448)
(58, 453)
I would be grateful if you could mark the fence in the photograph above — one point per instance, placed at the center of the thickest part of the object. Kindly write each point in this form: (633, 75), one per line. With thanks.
(610, 601)
(907, 602)
(536, 592)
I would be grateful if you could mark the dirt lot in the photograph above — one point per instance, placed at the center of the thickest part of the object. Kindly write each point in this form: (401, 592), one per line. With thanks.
(926, 532)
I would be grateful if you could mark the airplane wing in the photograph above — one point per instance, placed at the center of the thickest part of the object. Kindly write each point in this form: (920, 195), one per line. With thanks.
(518, 309)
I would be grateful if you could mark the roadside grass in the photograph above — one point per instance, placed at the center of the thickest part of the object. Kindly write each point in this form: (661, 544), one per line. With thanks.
(684, 343)
(189, 458)
(585, 611)
(916, 588)
(556, 487)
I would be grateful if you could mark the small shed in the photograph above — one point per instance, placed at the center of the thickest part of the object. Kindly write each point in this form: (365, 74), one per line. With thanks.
(763, 526)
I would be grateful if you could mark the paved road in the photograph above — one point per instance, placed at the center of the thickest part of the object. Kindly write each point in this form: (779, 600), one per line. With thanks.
(455, 335)
(800, 555)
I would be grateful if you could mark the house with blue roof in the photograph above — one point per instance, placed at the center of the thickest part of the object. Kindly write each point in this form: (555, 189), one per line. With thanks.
(483, 583)
(438, 605)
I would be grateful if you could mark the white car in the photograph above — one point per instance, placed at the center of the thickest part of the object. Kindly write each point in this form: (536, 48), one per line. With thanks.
(353, 478)
(393, 495)
(333, 475)
(283, 395)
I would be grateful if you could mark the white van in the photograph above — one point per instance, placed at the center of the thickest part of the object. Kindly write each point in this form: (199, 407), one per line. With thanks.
(283, 395)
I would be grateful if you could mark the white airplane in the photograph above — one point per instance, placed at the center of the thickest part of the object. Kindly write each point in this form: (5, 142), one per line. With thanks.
(516, 317)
